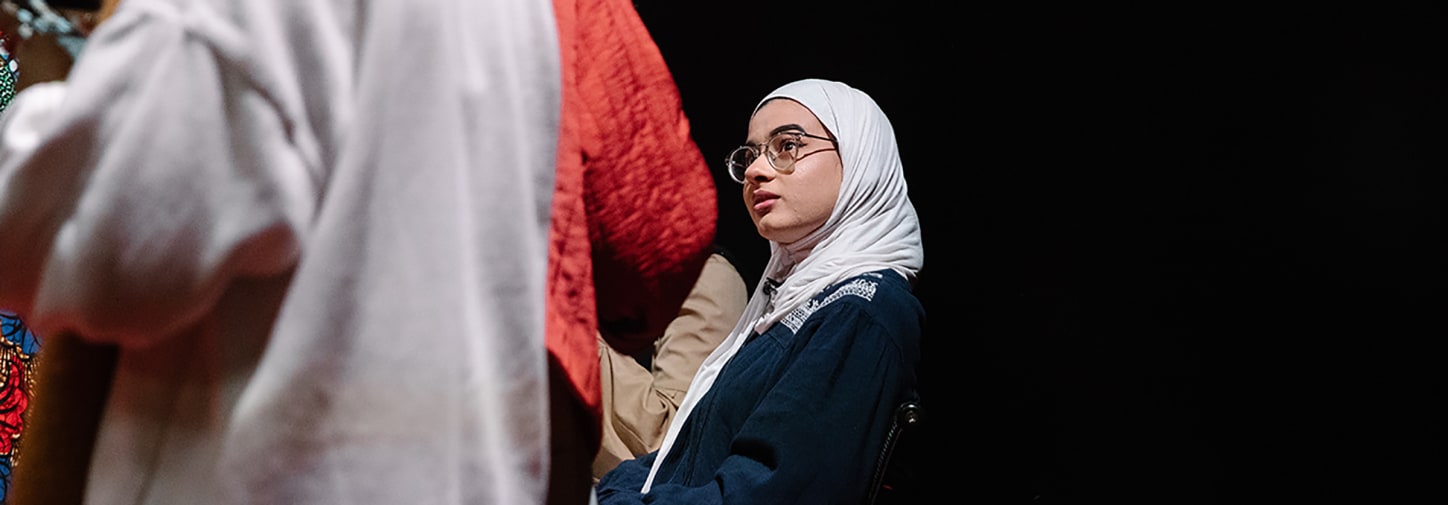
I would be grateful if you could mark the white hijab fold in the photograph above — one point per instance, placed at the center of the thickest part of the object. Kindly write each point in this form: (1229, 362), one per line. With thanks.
(873, 226)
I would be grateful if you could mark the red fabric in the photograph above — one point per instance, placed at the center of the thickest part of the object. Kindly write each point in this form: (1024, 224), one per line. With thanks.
(14, 398)
(634, 211)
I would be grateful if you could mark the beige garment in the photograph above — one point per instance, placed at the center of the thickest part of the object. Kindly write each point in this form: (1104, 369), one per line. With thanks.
(638, 402)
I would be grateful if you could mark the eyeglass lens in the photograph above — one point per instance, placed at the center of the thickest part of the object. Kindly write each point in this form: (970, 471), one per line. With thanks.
(779, 151)
(739, 161)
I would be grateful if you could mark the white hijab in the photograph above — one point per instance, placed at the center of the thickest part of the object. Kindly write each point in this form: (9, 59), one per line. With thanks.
(872, 227)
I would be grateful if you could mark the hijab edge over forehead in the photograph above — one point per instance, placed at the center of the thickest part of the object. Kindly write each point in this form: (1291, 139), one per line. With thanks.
(805, 95)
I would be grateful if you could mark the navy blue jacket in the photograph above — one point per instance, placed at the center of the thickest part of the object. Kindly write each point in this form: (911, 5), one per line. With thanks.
(800, 413)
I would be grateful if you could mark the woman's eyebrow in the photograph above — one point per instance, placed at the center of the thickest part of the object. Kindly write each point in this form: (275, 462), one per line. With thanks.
(785, 127)
(776, 130)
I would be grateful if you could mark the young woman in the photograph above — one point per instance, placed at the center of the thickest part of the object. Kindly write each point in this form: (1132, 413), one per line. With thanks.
(794, 406)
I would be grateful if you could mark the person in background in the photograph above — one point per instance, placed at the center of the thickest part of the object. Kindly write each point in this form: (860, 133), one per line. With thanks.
(794, 406)
(634, 216)
(19, 347)
(66, 23)
(17, 344)
(317, 235)
(640, 395)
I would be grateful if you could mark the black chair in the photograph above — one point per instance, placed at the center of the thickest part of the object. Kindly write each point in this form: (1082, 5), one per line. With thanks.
(895, 476)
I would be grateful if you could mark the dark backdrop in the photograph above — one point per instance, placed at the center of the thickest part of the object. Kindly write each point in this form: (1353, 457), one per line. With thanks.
(1174, 255)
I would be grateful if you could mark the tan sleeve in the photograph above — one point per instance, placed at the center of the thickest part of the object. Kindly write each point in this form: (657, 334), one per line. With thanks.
(638, 402)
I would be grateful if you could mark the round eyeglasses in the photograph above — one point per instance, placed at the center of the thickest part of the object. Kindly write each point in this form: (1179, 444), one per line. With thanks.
(782, 150)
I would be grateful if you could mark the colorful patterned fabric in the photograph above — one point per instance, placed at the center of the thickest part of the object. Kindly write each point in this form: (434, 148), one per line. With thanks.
(7, 77)
(17, 344)
(17, 360)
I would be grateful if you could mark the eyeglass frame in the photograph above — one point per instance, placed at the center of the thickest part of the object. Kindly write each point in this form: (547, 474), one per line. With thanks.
(764, 150)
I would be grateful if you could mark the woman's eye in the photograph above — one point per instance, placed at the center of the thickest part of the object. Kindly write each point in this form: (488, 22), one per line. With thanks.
(789, 144)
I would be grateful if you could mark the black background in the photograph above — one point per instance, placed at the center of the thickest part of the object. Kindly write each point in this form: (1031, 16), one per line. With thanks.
(1174, 254)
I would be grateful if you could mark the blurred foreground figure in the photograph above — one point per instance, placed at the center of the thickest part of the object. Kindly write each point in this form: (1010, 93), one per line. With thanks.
(316, 234)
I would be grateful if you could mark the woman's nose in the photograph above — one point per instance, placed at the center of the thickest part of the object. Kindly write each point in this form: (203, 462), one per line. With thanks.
(759, 170)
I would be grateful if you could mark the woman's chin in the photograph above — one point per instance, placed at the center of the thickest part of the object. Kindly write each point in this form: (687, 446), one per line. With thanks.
(780, 235)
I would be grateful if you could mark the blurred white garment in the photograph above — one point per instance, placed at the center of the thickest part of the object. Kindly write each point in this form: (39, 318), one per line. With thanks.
(318, 231)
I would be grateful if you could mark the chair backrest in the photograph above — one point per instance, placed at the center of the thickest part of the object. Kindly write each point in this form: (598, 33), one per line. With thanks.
(894, 477)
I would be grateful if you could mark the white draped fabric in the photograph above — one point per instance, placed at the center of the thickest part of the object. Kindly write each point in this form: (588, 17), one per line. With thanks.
(318, 231)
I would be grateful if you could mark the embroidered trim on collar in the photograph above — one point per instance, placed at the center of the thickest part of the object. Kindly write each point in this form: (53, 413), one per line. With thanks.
(859, 287)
